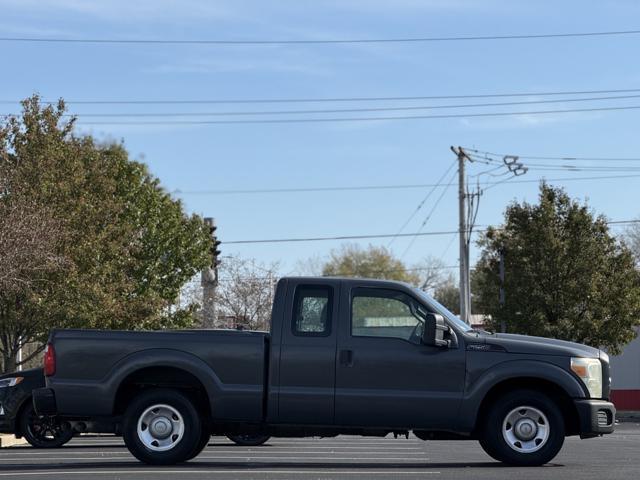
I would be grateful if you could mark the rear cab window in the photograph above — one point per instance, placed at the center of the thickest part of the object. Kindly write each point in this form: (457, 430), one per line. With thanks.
(312, 309)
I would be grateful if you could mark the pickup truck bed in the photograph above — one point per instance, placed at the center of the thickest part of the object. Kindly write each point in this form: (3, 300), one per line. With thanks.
(230, 365)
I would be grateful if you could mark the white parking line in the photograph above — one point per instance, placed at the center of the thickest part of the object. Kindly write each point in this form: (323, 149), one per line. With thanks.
(238, 450)
(218, 457)
(355, 455)
(325, 473)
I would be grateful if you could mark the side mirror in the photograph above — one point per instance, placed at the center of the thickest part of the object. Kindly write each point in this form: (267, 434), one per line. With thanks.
(434, 329)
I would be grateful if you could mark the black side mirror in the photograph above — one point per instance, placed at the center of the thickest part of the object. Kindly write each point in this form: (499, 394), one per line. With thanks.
(434, 329)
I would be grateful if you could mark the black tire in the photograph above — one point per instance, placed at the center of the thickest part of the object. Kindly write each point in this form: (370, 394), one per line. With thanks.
(514, 429)
(173, 415)
(249, 439)
(205, 436)
(43, 431)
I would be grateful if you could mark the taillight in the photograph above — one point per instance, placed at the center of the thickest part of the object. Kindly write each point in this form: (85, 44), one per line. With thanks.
(49, 360)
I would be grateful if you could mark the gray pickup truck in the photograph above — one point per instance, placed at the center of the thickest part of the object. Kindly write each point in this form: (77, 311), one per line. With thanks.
(344, 357)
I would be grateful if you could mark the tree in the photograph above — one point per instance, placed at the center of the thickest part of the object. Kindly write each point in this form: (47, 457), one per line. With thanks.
(431, 272)
(448, 294)
(246, 291)
(351, 260)
(565, 276)
(109, 247)
(632, 238)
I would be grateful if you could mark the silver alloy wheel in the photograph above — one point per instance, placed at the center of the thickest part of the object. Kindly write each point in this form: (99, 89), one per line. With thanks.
(160, 427)
(525, 429)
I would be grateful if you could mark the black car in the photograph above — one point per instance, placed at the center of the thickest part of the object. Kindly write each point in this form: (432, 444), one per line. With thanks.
(18, 417)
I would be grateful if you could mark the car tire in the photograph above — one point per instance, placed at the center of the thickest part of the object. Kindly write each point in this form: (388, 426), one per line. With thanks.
(161, 427)
(523, 428)
(43, 431)
(249, 440)
(205, 436)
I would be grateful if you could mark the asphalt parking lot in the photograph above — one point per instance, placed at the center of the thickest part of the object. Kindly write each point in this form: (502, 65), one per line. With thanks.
(611, 457)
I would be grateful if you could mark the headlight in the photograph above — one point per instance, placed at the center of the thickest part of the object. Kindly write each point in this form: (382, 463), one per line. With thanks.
(10, 382)
(590, 371)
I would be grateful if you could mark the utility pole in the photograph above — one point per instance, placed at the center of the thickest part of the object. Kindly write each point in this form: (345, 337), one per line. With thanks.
(19, 354)
(209, 280)
(503, 325)
(465, 289)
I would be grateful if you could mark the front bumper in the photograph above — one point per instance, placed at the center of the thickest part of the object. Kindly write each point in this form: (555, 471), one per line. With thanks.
(596, 417)
(44, 401)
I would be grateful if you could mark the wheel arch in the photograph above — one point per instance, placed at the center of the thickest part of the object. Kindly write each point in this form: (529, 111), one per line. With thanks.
(541, 376)
(163, 368)
(556, 393)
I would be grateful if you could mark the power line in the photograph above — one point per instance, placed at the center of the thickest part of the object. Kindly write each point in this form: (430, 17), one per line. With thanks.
(330, 100)
(379, 187)
(133, 41)
(384, 235)
(423, 201)
(343, 237)
(341, 110)
(429, 215)
(569, 158)
(555, 166)
(362, 119)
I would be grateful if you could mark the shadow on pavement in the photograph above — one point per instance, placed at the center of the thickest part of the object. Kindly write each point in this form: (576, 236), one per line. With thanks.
(249, 466)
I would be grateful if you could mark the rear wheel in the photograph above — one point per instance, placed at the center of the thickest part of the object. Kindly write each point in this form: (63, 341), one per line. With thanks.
(525, 428)
(43, 431)
(249, 439)
(161, 427)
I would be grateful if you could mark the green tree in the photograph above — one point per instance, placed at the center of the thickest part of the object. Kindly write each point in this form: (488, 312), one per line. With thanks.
(351, 260)
(565, 276)
(632, 239)
(448, 294)
(117, 248)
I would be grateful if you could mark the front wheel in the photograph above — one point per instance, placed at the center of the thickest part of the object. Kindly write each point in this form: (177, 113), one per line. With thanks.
(161, 427)
(249, 440)
(523, 428)
(43, 431)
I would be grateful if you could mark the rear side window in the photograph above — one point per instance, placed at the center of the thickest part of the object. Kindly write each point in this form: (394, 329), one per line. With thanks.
(312, 310)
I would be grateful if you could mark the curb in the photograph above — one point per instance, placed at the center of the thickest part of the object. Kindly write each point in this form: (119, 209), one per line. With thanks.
(11, 440)
(628, 416)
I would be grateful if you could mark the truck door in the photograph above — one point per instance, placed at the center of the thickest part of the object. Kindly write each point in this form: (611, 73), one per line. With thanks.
(308, 354)
(385, 376)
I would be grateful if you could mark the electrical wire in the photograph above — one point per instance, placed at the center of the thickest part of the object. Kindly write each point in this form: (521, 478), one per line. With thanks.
(378, 187)
(570, 158)
(361, 119)
(384, 235)
(337, 110)
(329, 100)
(430, 214)
(422, 202)
(135, 41)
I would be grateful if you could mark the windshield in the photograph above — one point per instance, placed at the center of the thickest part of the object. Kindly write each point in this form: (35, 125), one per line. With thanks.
(442, 310)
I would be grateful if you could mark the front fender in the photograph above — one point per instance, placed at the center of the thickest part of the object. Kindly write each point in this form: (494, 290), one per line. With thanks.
(512, 370)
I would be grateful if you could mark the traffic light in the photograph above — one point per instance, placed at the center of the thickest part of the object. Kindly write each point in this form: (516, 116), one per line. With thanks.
(215, 253)
(215, 243)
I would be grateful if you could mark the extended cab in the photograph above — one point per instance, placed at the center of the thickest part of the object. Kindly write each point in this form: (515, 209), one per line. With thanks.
(344, 356)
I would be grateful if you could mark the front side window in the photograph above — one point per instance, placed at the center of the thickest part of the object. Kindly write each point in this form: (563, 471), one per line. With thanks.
(385, 313)
(312, 311)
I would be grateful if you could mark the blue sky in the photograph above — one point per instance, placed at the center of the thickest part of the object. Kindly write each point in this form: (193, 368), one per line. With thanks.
(214, 157)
